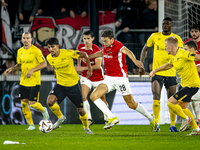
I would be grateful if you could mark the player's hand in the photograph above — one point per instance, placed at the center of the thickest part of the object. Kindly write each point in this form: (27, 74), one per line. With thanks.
(29, 74)
(89, 73)
(7, 71)
(139, 64)
(40, 11)
(78, 69)
(152, 74)
(141, 71)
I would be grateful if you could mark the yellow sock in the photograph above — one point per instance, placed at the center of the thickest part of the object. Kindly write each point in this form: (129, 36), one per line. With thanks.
(27, 112)
(177, 110)
(156, 109)
(56, 110)
(38, 106)
(189, 114)
(172, 117)
(84, 120)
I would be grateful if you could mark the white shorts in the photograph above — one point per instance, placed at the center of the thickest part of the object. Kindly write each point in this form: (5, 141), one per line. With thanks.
(196, 97)
(89, 83)
(121, 84)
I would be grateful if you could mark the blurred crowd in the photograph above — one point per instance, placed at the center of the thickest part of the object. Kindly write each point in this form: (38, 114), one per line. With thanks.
(130, 14)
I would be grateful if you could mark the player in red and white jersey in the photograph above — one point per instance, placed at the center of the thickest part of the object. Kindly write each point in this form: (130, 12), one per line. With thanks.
(116, 78)
(195, 35)
(97, 75)
(191, 46)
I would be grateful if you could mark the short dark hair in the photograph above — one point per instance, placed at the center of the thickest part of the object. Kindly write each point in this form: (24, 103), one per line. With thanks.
(191, 44)
(52, 41)
(89, 32)
(107, 33)
(195, 26)
(168, 19)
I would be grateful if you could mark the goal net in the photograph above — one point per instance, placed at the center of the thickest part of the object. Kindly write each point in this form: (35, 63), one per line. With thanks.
(184, 14)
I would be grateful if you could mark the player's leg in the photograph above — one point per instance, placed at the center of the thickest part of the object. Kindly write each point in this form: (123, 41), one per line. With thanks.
(195, 103)
(24, 96)
(170, 85)
(75, 95)
(140, 108)
(86, 87)
(103, 98)
(183, 96)
(95, 96)
(156, 86)
(34, 101)
(55, 95)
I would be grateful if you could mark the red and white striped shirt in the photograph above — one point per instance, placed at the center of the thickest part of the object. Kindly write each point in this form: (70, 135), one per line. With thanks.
(97, 75)
(115, 60)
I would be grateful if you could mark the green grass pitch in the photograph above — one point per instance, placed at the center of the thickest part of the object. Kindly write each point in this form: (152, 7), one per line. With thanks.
(73, 137)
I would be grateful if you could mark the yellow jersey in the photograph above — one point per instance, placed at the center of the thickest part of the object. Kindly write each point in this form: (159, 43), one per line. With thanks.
(28, 59)
(185, 66)
(160, 56)
(64, 67)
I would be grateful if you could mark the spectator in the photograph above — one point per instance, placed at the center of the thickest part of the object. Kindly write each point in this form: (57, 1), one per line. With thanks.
(136, 70)
(4, 55)
(127, 17)
(78, 7)
(27, 10)
(12, 10)
(149, 19)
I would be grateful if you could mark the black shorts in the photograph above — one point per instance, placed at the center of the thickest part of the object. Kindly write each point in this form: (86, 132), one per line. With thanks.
(167, 81)
(30, 93)
(74, 93)
(184, 94)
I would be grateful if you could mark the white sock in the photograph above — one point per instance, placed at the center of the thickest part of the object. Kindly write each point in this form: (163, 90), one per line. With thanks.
(104, 115)
(144, 112)
(196, 109)
(102, 106)
(86, 107)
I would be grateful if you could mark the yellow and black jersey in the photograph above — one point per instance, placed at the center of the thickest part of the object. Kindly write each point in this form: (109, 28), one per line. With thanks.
(28, 59)
(160, 56)
(64, 67)
(185, 66)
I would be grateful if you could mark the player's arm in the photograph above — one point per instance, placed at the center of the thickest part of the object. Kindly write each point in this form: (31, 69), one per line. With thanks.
(197, 57)
(97, 54)
(162, 68)
(38, 67)
(143, 55)
(198, 68)
(14, 68)
(85, 56)
(132, 57)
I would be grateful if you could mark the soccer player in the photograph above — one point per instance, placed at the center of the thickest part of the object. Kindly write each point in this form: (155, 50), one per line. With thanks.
(68, 83)
(183, 62)
(114, 54)
(167, 77)
(97, 74)
(191, 46)
(31, 61)
(195, 35)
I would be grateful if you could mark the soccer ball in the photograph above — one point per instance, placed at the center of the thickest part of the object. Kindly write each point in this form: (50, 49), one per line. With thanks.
(45, 126)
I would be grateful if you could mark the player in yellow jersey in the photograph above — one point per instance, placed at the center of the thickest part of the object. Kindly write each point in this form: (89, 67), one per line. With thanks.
(168, 77)
(183, 62)
(31, 61)
(68, 84)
